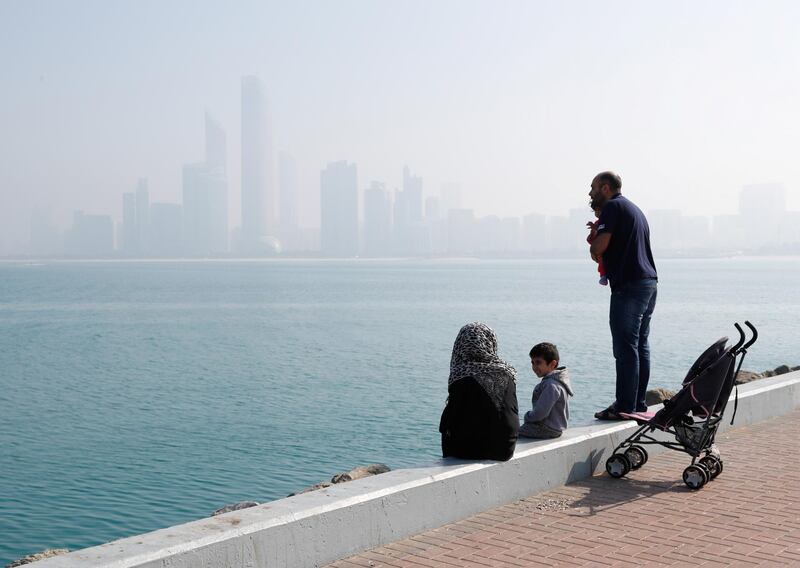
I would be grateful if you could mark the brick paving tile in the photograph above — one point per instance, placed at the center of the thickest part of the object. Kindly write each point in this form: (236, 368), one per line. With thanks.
(450, 558)
(527, 547)
(626, 563)
(793, 559)
(765, 558)
(428, 562)
(433, 540)
(447, 562)
(737, 559)
(748, 516)
(512, 560)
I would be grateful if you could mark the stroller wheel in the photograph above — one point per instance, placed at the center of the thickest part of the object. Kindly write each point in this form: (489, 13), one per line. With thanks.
(637, 456)
(695, 476)
(713, 464)
(618, 465)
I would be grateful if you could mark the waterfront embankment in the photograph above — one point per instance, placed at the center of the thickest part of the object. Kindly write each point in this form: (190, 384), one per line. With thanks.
(748, 516)
(322, 526)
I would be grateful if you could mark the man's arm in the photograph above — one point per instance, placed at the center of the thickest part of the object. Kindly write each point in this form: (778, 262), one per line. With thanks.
(599, 246)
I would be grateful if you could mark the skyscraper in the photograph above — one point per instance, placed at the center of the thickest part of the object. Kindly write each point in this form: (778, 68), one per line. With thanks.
(166, 229)
(408, 215)
(142, 215)
(205, 197)
(216, 146)
(412, 188)
(205, 214)
(339, 210)
(377, 220)
(289, 198)
(433, 209)
(216, 172)
(258, 194)
(130, 230)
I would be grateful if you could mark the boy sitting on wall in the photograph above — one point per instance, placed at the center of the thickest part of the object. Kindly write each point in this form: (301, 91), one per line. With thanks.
(550, 413)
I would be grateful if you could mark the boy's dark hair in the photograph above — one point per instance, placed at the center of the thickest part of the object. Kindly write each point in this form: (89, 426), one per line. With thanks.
(546, 351)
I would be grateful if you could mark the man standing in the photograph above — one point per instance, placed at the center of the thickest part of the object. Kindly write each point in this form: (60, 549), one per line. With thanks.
(623, 243)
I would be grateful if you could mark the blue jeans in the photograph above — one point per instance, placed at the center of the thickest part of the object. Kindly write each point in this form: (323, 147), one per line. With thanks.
(632, 305)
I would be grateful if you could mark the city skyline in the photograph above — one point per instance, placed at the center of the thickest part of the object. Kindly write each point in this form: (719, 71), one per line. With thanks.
(521, 103)
(376, 222)
(356, 221)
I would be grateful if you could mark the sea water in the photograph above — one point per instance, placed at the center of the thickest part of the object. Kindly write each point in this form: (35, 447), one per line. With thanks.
(138, 395)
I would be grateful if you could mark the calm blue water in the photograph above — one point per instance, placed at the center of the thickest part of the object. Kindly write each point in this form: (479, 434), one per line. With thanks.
(140, 395)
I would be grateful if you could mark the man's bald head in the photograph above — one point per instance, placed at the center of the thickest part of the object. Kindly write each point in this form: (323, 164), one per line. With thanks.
(611, 179)
(605, 186)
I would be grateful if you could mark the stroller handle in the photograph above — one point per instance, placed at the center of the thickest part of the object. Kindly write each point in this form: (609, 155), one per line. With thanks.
(755, 334)
(742, 337)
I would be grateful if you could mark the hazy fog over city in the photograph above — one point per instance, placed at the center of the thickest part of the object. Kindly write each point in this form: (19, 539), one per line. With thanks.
(393, 128)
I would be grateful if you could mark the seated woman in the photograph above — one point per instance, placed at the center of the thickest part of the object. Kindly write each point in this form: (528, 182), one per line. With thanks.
(480, 419)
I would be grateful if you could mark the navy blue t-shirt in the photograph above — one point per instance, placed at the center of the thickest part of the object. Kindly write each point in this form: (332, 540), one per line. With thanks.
(628, 256)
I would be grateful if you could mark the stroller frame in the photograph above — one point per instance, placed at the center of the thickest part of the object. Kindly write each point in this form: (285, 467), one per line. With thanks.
(693, 438)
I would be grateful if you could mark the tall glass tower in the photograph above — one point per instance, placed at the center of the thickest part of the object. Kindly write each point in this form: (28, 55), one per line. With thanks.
(258, 191)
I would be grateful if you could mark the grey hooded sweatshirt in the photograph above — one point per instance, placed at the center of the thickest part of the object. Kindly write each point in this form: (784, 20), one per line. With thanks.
(551, 400)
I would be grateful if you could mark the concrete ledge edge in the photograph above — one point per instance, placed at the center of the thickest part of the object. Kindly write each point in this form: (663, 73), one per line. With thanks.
(314, 528)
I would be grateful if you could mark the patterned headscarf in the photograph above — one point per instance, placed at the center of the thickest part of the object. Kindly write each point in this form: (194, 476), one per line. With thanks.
(475, 355)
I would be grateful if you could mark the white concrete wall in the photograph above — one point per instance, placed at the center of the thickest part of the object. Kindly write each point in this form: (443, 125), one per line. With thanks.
(318, 527)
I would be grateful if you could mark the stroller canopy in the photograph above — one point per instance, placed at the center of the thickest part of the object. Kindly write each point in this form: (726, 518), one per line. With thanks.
(707, 379)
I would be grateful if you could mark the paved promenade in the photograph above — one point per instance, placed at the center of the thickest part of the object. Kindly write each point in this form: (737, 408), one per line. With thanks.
(748, 516)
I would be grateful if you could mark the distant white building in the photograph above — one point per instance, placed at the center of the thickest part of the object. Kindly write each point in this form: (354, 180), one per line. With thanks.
(762, 208)
(534, 233)
(409, 234)
(258, 193)
(204, 216)
(377, 239)
(142, 215)
(205, 210)
(91, 235)
(289, 195)
(166, 229)
(339, 210)
(665, 229)
(462, 236)
(727, 232)
(129, 242)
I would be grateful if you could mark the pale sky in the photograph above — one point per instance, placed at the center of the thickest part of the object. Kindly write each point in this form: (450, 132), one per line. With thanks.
(521, 102)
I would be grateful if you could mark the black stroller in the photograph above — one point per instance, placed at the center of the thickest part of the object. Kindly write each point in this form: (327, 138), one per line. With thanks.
(692, 415)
